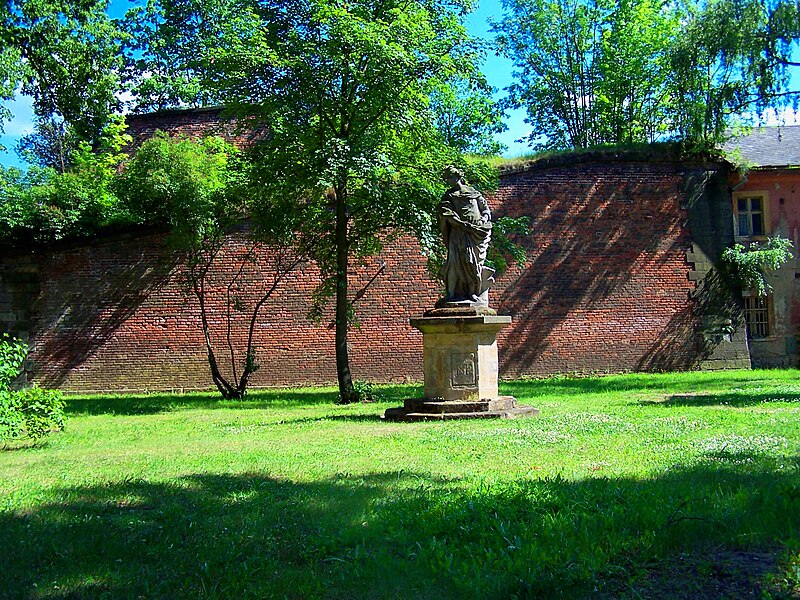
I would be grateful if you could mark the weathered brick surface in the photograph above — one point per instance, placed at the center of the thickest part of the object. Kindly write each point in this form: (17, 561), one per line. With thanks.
(605, 289)
(192, 124)
(19, 283)
(117, 315)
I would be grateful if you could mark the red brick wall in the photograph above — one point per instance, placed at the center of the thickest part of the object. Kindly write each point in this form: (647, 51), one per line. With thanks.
(191, 123)
(605, 288)
(116, 315)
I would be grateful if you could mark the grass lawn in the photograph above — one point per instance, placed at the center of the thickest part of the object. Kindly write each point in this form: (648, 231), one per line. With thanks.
(638, 486)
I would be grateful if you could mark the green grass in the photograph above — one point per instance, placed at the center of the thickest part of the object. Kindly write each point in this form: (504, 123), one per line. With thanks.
(677, 485)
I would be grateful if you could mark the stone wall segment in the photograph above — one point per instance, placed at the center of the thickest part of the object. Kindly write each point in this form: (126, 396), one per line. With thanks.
(608, 287)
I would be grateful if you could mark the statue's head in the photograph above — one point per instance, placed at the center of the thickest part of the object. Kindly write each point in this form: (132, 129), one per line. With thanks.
(452, 175)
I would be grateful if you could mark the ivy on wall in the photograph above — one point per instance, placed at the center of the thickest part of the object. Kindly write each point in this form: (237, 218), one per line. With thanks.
(750, 264)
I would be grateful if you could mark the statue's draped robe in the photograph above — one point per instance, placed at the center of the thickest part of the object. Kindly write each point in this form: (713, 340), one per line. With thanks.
(466, 231)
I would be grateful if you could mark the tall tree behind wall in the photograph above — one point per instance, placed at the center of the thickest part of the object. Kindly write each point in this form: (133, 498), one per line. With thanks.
(552, 46)
(733, 59)
(632, 97)
(167, 49)
(588, 72)
(593, 72)
(65, 56)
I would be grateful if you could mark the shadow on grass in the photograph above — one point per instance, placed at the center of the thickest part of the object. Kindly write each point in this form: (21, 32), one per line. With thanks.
(146, 404)
(368, 418)
(402, 535)
(711, 389)
(730, 399)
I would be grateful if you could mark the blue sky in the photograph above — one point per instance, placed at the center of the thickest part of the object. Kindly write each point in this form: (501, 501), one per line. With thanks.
(497, 70)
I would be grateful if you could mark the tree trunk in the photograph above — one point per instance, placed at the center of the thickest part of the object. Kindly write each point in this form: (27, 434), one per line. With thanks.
(225, 389)
(346, 391)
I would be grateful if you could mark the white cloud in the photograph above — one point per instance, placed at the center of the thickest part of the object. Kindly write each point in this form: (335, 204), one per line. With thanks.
(21, 123)
(786, 116)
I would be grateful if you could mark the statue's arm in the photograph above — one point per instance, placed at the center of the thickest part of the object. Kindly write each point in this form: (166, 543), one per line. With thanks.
(483, 206)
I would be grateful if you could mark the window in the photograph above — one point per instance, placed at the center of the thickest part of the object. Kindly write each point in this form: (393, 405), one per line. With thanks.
(757, 311)
(750, 215)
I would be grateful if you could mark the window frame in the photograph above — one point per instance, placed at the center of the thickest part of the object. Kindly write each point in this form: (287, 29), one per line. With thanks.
(748, 298)
(762, 195)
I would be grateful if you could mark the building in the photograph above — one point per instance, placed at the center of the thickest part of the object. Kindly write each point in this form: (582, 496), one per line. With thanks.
(765, 196)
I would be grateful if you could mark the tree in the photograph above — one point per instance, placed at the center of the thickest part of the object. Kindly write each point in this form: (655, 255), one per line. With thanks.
(344, 90)
(731, 58)
(467, 120)
(23, 200)
(589, 72)
(632, 97)
(167, 50)
(52, 144)
(201, 189)
(44, 204)
(621, 71)
(65, 56)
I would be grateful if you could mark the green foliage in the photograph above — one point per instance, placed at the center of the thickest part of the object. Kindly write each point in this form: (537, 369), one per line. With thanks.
(787, 581)
(168, 46)
(634, 70)
(65, 56)
(589, 73)
(731, 57)
(30, 412)
(52, 144)
(188, 185)
(623, 71)
(20, 205)
(86, 193)
(12, 357)
(46, 205)
(751, 264)
(467, 120)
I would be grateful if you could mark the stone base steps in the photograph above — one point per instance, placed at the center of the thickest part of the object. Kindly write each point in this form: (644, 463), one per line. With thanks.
(421, 409)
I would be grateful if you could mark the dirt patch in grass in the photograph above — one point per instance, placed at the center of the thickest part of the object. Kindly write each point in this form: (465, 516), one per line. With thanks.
(722, 574)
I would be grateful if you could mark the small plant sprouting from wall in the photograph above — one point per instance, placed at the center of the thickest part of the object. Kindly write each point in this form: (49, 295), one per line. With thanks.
(749, 265)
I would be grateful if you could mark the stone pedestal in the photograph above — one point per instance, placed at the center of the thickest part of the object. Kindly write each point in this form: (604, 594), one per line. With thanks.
(460, 360)
(460, 356)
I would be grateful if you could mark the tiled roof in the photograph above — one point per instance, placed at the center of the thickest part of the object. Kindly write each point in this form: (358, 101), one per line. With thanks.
(769, 146)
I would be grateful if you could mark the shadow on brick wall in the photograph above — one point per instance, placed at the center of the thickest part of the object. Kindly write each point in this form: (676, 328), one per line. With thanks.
(84, 310)
(675, 347)
(606, 270)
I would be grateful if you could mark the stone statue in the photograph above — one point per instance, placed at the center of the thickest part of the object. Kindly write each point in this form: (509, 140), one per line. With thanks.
(466, 226)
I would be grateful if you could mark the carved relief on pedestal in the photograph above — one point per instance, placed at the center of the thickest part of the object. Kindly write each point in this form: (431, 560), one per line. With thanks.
(463, 369)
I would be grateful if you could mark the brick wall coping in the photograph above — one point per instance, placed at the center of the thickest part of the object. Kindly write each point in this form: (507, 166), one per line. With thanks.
(657, 153)
(666, 152)
(170, 112)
